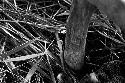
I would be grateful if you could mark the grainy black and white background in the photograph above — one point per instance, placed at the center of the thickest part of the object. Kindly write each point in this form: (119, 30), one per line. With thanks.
(33, 41)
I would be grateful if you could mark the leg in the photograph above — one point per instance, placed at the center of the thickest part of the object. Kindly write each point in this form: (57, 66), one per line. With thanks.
(77, 28)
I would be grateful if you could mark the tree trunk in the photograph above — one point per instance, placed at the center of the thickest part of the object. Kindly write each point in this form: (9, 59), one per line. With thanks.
(77, 28)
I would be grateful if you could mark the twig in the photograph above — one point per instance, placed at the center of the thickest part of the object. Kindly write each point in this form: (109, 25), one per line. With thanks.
(31, 72)
(110, 37)
(18, 48)
(59, 42)
(47, 54)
